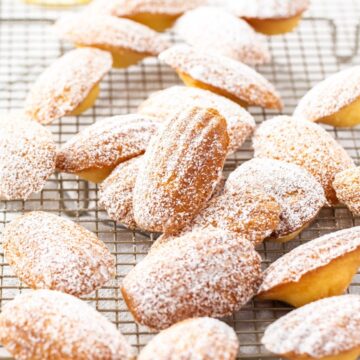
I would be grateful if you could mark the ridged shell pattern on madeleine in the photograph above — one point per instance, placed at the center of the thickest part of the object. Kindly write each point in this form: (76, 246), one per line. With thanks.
(165, 103)
(66, 83)
(27, 157)
(180, 171)
(203, 273)
(106, 143)
(50, 325)
(222, 75)
(116, 192)
(202, 338)
(305, 144)
(216, 30)
(50, 252)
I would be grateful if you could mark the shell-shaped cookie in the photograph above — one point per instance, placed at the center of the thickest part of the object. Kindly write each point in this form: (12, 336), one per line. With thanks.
(202, 338)
(106, 143)
(313, 255)
(50, 325)
(163, 104)
(267, 9)
(116, 192)
(222, 75)
(203, 273)
(158, 15)
(27, 157)
(324, 328)
(330, 95)
(181, 168)
(130, 8)
(63, 86)
(252, 214)
(347, 187)
(111, 33)
(298, 193)
(50, 252)
(307, 145)
(216, 30)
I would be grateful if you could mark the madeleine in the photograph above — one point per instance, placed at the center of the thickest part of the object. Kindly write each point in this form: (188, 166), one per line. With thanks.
(202, 273)
(128, 41)
(193, 338)
(334, 101)
(298, 193)
(50, 252)
(69, 86)
(27, 157)
(93, 153)
(320, 268)
(325, 329)
(216, 30)
(180, 170)
(48, 325)
(158, 15)
(163, 104)
(305, 144)
(270, 17)
(222, 75)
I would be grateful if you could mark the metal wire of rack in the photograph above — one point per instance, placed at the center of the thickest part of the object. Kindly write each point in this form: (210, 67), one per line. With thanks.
(300, 60)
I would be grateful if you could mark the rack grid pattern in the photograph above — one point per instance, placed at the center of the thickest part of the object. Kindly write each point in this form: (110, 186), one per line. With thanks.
(300, 59)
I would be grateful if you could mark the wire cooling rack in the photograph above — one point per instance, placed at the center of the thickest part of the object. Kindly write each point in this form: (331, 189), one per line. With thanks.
(27, 46)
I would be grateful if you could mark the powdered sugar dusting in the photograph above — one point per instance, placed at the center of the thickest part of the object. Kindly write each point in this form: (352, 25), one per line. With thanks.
(216, 30)
(252, 214)
(116, 192)
(330, 95)
(310, 256)
(49, 252)
(181, 168)
(266, 9)
(298, 193)
(63, 86)
(306, 144)
(225, 74)
(46, 325)
(203, 273)
(163, 104)
(322, 328)
(202, 338)
(135, 7)
(27, 157)
(111, 33)
(106, 143)
(347, 187)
